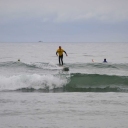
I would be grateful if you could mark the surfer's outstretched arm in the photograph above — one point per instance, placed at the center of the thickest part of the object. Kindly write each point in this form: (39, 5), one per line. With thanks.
(65, 53)
(56, 53)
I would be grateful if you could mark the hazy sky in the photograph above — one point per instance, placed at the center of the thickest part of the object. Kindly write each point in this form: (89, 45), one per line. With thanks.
(64, 20)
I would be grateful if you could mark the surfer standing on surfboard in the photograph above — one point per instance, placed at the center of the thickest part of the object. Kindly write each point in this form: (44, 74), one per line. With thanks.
(60, 53)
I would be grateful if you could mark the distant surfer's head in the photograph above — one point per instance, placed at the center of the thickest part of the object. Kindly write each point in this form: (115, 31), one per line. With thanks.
(105, 60)
(59, 47)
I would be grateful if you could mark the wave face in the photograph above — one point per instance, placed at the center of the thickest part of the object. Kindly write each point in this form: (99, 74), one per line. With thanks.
(97, 83)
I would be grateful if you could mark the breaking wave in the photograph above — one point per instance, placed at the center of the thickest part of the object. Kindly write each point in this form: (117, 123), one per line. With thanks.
(59, 83)
(31, 77)
(30, 82)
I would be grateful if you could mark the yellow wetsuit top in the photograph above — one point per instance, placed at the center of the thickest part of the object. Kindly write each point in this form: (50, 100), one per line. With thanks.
(60, 52)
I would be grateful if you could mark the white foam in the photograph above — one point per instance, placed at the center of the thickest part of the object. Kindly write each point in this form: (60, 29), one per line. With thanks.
(31, 81)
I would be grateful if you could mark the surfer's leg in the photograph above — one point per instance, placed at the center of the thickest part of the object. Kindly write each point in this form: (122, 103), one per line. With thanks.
(59, 59)
(62, 59)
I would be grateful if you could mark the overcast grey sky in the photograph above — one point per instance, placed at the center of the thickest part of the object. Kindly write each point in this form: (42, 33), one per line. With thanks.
(64, 20)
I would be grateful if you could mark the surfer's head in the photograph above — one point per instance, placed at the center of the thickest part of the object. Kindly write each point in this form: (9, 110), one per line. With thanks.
(59, 47)
(105, 60)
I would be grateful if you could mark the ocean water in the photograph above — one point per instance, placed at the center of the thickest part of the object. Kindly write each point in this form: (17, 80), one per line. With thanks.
(36, 92)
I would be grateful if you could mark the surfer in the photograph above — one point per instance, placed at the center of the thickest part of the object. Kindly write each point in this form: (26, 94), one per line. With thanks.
(60, 53)
(105, 61)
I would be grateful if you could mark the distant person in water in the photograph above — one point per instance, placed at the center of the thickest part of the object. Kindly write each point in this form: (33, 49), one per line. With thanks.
(105, 61)
(92, 60)
(59, 53)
